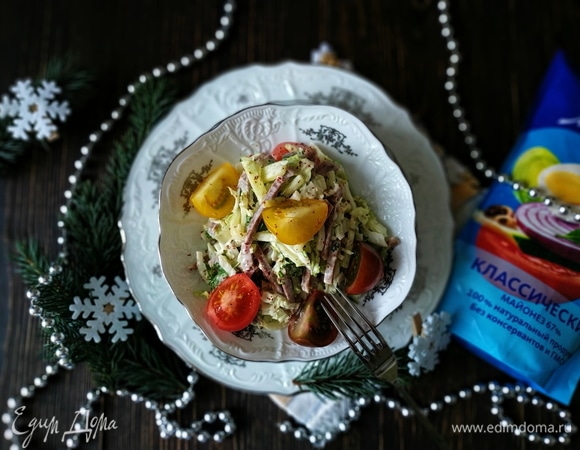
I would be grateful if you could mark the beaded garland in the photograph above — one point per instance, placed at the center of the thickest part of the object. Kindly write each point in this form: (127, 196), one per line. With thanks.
(167, 427)
(567, 212)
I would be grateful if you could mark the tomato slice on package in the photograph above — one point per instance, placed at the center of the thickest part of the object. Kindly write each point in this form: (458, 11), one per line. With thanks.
(295, 221)
(234, 303)
(365, 271)
(212, 197)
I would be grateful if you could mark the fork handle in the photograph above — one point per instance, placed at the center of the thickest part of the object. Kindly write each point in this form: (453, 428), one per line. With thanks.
(388, 371)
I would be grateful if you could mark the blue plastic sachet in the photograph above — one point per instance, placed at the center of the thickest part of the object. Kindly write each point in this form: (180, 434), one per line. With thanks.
(514, 292)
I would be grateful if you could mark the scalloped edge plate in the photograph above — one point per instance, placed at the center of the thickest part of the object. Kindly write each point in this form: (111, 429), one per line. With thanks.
(211, 103)
(371, 174)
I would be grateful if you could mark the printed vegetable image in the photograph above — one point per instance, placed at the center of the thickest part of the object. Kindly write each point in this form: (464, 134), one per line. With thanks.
(291, 230)
(529, 165)
(541, 224)
(529, 241)
(562, 181)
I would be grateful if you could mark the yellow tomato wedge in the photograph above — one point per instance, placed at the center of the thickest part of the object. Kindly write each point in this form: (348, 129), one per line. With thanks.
(212, 198)
(295, 221)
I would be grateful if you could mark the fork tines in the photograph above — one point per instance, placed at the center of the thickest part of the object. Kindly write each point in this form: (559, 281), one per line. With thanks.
(359, 332)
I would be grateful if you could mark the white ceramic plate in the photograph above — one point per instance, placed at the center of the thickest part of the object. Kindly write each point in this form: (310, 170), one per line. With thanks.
(342, 137)
(215, 101)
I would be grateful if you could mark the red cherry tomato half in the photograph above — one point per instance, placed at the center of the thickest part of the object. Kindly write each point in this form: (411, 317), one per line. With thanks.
(284, 148)
(365, 270)
(234, 303)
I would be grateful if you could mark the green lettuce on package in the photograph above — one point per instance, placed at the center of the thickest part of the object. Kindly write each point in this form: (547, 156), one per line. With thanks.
(514, 293)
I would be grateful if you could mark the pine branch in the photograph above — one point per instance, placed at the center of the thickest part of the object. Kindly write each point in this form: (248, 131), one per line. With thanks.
(30, 262)
(77, 83)
(10, 149)
(342, 376)
(143, 366)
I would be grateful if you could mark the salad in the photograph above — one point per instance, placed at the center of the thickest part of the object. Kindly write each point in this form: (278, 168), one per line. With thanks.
(284, 228)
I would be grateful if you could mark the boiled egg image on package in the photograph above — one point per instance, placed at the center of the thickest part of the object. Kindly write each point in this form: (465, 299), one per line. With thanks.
(561, 181)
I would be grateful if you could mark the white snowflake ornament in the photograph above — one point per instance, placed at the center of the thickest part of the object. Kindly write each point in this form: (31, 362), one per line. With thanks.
(107, 310)
(34, 110)
(424, 349)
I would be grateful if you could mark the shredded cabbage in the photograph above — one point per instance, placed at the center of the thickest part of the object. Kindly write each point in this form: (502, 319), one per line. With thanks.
(288, 272)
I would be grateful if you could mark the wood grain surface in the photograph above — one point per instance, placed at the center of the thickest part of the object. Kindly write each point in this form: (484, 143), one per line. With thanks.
(506, 47)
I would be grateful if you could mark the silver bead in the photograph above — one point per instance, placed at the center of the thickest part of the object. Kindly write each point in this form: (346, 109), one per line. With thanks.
(450, 399)
(549, 440)
(35, 310)
(169, 407)
(150, 405)
(479, 388)
(564, 439)
(436, 406)
(187, 396)
(72, 443)
(219, 436)
(210, 417)
(192, 378)
(203, 437)
(26, 392)
(464, 393)
(57, 337)
(362, 401)
(47, 323)
(285, 427)
(379, 398)
(353, 413)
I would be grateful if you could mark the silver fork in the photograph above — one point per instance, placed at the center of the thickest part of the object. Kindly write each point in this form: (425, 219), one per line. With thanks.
(362, 336)
(369, 345)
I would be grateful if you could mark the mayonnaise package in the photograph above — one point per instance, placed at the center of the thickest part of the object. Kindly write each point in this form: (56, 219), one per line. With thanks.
(514, 292)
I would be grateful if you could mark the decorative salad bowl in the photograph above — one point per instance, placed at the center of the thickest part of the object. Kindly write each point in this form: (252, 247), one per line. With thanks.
(371, 173)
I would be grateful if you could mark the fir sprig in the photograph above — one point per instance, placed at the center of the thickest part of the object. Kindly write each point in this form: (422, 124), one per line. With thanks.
(142, 364)
(10, 148)
(76, 82)
(341, 376)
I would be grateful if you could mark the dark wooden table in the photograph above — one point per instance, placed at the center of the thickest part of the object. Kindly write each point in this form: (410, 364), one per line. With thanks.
(506, 47)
